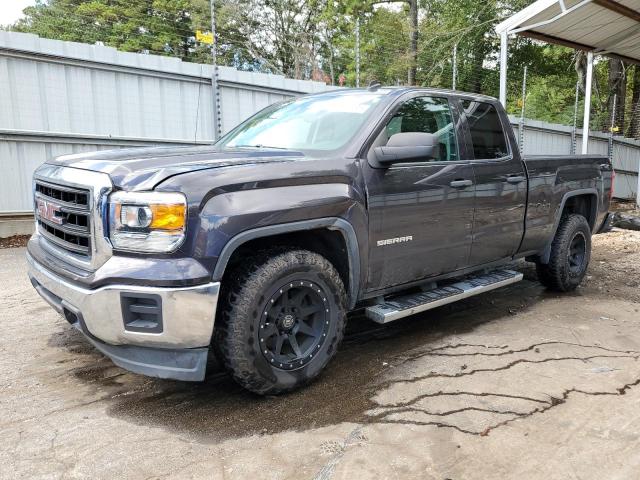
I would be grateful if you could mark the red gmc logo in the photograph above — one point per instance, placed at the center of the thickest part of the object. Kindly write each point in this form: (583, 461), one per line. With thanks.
(48, 211)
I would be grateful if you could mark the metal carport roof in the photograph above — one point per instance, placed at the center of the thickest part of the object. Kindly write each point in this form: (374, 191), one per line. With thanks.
(600, 27)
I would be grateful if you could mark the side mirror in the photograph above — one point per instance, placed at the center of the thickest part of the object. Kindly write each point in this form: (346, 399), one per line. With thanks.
(408, 146)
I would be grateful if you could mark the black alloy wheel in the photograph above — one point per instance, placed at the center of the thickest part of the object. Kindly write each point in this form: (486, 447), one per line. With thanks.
(576, 253)
(294, 324)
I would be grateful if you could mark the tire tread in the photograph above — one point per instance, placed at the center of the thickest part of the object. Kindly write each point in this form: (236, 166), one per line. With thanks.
(554, 275)
(232, 329)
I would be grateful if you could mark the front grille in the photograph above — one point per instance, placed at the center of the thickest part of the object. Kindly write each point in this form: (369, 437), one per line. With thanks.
(62, 213)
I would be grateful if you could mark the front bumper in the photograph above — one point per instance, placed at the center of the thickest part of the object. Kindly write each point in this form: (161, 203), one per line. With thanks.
(179, 350)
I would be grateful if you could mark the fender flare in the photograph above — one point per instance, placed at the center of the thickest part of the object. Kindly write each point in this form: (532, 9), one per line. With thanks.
(330, 223)
(546, 253)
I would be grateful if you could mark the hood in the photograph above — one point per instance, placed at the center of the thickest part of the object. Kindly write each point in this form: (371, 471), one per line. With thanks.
(144, 168)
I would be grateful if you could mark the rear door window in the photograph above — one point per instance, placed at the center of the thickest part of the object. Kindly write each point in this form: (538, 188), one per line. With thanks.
(487, 134)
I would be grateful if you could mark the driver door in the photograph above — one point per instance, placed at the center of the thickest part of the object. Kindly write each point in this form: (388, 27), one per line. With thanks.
(420, 212)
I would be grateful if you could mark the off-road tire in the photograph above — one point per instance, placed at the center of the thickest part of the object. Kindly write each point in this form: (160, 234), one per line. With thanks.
(560, 274)
(237, 334)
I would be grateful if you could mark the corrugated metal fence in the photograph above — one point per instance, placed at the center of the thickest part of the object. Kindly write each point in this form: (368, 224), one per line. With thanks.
(541, 138)
(59, 97)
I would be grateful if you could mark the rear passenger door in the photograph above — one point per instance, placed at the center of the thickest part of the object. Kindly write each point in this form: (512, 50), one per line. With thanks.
(501, 185)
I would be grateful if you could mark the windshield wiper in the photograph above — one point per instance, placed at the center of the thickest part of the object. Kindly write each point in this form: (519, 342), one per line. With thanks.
(260, 146)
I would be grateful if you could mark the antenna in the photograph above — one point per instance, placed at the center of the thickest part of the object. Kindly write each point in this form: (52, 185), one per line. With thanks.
(374, 85)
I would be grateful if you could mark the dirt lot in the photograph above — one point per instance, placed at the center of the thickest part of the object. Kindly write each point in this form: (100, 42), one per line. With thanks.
(519, 383)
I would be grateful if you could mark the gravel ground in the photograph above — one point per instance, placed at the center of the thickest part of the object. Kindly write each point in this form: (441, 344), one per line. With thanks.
(517, 383)
(14, 241)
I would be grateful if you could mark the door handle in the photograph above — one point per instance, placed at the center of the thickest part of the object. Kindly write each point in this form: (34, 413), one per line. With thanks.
(461, 183)
(605, 167)
(515, 179)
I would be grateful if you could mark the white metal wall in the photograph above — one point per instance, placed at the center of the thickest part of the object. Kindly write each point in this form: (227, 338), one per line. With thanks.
(62, 97)
(541, 138)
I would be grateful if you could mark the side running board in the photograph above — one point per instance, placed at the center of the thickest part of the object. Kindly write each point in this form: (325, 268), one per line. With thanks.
(406, 305)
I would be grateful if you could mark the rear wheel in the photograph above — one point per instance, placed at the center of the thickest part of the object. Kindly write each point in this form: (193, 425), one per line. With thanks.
(570, 255)
(282, 320)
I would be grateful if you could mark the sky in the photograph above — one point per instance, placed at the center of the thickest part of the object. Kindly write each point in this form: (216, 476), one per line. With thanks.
(11, 10)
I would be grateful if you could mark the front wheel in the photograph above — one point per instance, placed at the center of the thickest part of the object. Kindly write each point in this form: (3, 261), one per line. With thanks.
(570, 255)
(282, 320)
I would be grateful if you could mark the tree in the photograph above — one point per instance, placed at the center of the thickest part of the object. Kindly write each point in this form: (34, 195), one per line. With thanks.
(159, 26)
(617, 95)
(467, 25)
(401, 42)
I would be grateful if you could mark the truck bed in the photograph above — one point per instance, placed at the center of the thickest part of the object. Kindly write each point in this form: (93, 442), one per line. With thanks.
(552, 180)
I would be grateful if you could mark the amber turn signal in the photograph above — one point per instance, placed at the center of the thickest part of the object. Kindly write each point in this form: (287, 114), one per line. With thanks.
(167, 217)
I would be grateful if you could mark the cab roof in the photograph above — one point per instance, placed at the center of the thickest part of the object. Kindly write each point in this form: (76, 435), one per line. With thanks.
(396, 91)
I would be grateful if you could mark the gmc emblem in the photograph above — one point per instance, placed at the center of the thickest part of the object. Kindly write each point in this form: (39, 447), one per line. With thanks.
(49, 211)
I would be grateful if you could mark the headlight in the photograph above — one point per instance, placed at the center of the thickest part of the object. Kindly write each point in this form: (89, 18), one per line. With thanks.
(147, 221)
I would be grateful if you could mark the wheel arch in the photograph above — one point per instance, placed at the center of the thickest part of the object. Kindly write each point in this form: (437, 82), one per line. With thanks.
(349, 267)
(584, 202)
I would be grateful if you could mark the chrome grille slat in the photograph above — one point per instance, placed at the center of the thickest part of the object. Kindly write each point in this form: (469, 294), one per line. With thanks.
(64, 194)
(64, 244)
(59, 186)
(68, 228)
(70, 207)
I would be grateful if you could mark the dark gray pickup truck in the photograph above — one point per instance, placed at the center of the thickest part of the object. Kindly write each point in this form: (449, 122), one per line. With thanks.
(393, 200)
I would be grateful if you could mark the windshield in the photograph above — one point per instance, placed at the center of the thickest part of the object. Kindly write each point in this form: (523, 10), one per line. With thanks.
(322, 123)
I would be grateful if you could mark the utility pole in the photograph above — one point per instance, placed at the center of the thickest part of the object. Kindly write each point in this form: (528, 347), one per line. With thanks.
(358, 52)
(413, 67)
(217, 130)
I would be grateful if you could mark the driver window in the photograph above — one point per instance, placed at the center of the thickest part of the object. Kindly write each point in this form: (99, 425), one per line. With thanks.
(427, 115)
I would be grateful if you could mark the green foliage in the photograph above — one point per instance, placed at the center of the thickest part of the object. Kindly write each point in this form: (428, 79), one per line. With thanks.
(550, 100)
(158, 26)
(316, 39)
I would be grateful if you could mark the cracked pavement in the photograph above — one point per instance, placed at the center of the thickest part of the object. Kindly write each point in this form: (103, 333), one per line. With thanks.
(516, 383)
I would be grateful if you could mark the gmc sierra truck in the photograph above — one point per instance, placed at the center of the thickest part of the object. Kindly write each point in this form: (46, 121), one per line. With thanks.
(389, 200)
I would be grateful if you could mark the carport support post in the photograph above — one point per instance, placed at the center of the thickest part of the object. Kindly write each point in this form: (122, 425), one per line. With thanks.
(587, 104)
(504, 45)
(574, 130)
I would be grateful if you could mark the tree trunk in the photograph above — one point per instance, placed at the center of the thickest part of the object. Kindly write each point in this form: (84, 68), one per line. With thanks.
(331, 70)
(617, 94)
(634, 125)
(329, 38)
(413, 65)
